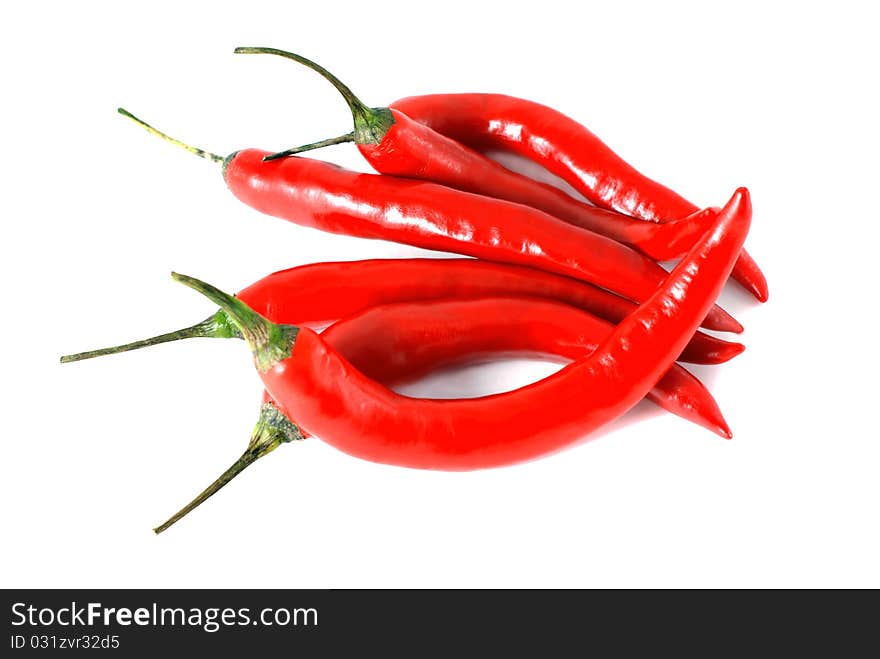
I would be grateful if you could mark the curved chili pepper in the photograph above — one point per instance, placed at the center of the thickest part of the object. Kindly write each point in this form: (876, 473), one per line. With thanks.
(567, 149)
(397, 343)
(323, 196)
(395, 144)
(317, 294)
(401, 342)
(331, 399)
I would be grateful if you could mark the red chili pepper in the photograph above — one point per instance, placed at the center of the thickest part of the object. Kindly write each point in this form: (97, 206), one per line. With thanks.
(401, 342)
(323, 196)
(397, 343)
(314, 384)
(317, 294)
(395, 144)
(567, 149)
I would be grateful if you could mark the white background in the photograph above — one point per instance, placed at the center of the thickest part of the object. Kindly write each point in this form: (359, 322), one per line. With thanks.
(780, 97)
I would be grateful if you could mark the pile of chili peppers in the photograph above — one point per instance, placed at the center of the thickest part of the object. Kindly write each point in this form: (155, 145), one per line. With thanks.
(553, 276)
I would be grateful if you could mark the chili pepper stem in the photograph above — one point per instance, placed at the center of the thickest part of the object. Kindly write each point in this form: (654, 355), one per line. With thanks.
(370, 124)
(269, 342)
(201, 153)
(272, 430)
(217, 326)
(348, 137)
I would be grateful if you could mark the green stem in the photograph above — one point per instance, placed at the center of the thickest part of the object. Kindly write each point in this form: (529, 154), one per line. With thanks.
(354, 103)
(370, 124)
(215, 327)
(240, 465)
(272, 430)
(269, 342)
(348, 137)
(201, 153)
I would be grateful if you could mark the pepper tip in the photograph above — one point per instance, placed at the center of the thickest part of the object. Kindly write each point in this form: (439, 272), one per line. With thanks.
(734, 350)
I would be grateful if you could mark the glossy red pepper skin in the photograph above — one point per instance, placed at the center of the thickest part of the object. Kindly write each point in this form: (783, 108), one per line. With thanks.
(565, 148)
(317, 294)
(337, 403)
(395, 144)
(397, 343)
(323, 196)
(413, 150)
